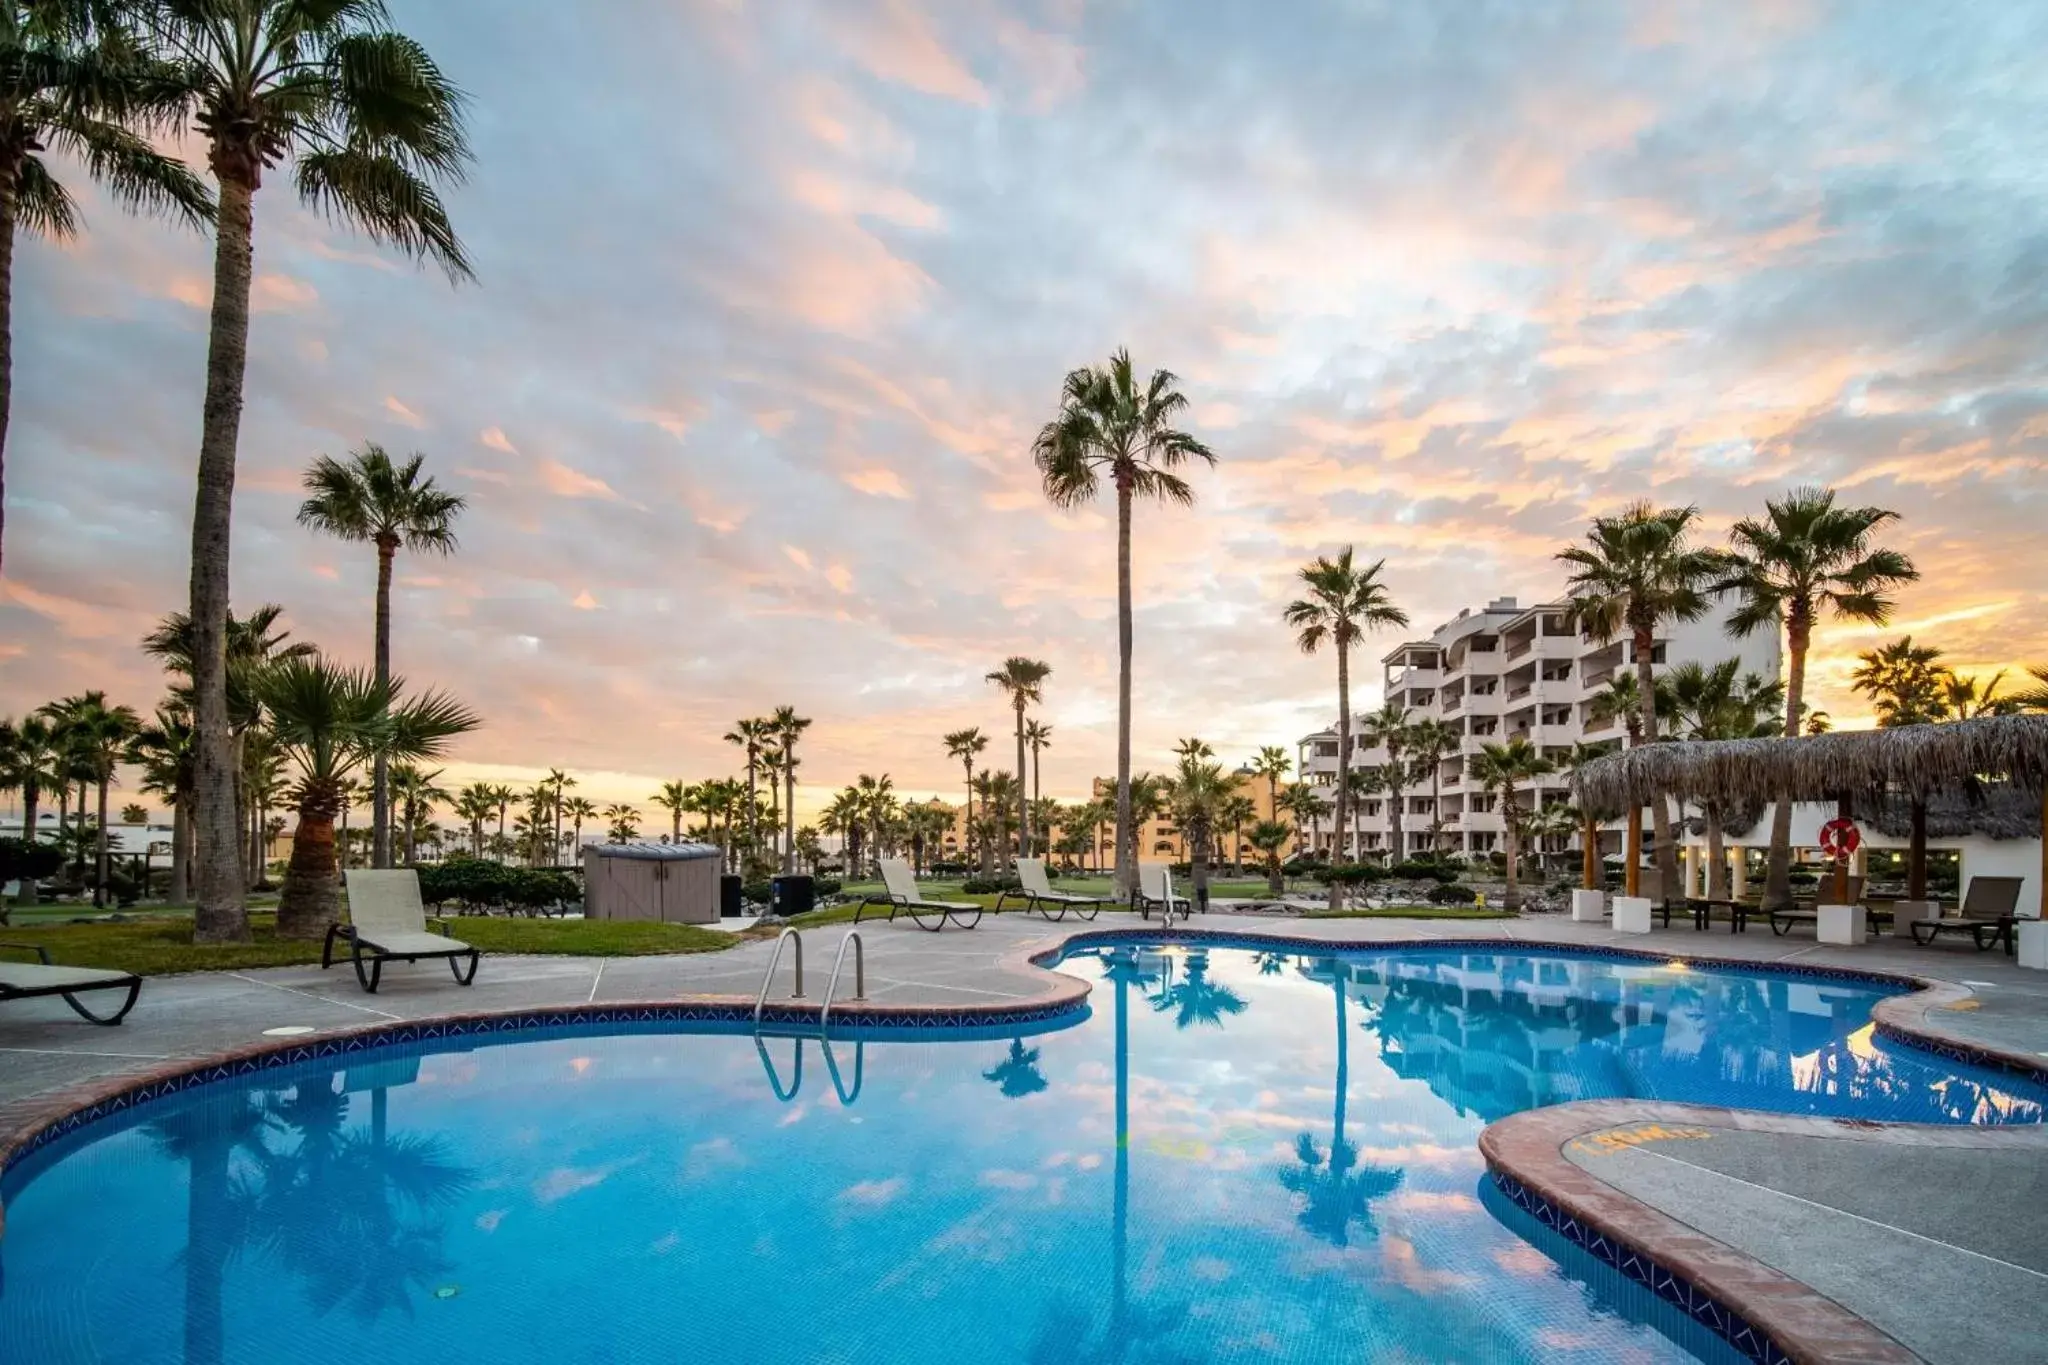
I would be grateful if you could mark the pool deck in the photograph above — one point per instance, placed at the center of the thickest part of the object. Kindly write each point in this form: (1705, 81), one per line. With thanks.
(1937, 1240)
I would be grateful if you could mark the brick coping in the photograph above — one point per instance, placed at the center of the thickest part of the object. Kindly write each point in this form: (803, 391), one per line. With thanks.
(1530, 1179)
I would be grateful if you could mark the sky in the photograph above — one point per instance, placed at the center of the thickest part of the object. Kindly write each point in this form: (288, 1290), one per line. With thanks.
(773, 294)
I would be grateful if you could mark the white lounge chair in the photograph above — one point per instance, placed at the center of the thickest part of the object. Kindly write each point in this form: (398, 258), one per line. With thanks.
(902, 895)
(33, 980)
(387, 923)
(1155, 891)
(1037, 894)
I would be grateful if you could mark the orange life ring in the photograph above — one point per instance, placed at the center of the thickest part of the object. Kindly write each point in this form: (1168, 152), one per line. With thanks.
(1840, 839)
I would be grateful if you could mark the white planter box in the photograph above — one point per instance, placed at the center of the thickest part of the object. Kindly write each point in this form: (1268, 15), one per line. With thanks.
(2033, 943)
(1589, 907)
(1905, 912)
(1841, 924)
(1631, 914)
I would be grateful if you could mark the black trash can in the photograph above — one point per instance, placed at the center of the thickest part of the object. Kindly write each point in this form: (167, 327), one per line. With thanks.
(792, 895)
(730, 903)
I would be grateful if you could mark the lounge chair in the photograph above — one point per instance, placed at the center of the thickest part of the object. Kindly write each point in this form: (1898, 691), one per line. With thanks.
(31, 980)
(1783, 918)
(387, 923)
(901, 895)
(1154, 891)
(1986, 914)
(1037, 894)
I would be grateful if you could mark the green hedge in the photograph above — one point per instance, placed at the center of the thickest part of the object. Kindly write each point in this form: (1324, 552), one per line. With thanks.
(475, 884)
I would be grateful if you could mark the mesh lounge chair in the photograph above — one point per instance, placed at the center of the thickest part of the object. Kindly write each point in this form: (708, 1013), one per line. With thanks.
(901, 894)
(32, 980)
(387, 923)
(1986, 914)
(1154, 891)
(1783, 919)
(1038, 894)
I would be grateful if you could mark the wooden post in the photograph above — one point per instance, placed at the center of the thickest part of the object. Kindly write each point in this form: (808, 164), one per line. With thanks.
(1632, 858)
(1842, 864)
(2043, 911)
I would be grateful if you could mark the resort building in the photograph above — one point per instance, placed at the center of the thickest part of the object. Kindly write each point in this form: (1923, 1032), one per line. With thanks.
(1494, 674)
(1161, 837)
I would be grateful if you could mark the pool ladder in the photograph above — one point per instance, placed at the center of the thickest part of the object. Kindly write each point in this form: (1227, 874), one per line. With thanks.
(860, 992)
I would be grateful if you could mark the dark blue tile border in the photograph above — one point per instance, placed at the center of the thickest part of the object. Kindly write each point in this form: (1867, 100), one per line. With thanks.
(1751, 1341)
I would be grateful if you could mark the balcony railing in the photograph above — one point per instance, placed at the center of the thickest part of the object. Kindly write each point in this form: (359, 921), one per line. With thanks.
(1517, 693)
(1517, 651)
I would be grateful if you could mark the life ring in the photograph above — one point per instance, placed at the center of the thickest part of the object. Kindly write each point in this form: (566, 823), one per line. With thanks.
(1840, 839)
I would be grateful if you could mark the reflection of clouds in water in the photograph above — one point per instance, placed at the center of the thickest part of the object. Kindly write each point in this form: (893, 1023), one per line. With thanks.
(564, 1181)
(873, 1194)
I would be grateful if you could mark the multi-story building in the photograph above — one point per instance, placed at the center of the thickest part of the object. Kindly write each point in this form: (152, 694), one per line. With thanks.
(1160, 837)
(1498, 673)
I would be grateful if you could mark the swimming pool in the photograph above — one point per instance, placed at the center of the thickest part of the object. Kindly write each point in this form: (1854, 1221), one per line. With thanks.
(1234, 1155)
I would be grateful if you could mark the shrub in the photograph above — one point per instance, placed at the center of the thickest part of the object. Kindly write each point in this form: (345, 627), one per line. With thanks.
(989, 886)
(757, 893)
(825, 886)
(22, 859)
(1447, 894)
(1418, 869)
(1355, 874)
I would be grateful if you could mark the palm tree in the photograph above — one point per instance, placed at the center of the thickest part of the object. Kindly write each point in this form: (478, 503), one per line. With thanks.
(1716, 703)
(68, 83)
(416, 796)
(578, 809)
(1272, 763)
(675, 798)
(1804, 558)
(1023, 681)
(1333, 1197)
(329, 722)
(1902, 680)
(964, 745)
(1389, 728)
(1195, 999)
(1343, 602)
(1196, 796)
(373, 501)
(1237, 811)
(1589, 820)
(1269, 837)
(1111, 425)
(789, 728)
(163, 748)
(1500, 768)
(1306, 805)
(1637, 570)
(30, 762)
(623, 822)
(1017, 1075)
(1038, 736)
(503, 797)
(2035, 698)
(1966, 698)
(369, 122)
(752, 735)
(99, 735)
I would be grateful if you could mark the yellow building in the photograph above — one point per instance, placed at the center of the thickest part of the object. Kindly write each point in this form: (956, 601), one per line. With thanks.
(1160, 837)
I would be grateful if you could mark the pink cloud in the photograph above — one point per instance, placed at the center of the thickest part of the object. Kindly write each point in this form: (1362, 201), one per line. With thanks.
(565, 482)
(403, 413)
(877, 482)
(899, 46)
(496, 439)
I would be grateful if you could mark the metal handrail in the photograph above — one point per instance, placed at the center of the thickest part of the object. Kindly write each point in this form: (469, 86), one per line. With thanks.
(860, 974)
(768, 977)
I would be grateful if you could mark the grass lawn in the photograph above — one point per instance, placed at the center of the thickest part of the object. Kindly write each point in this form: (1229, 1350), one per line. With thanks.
(1417, 912)
(162, 945)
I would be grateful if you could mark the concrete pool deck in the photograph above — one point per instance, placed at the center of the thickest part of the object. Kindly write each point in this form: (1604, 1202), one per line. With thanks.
(1908, 1237)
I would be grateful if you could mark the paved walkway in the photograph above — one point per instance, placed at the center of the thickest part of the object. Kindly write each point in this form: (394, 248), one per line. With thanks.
(1920, 1240)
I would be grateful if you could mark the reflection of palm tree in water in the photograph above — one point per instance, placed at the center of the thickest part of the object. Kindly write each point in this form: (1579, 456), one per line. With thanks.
(222, 1211)
(355, 1213)
(1336, 1191)
(1195, 999)
(1017, 1074)
(1272, 964)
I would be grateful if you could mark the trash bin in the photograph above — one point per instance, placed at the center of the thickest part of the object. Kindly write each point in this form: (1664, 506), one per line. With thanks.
(792, 895)
(730, 903)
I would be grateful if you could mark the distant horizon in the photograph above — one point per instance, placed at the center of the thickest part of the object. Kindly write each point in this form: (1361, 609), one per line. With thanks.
(743, 398)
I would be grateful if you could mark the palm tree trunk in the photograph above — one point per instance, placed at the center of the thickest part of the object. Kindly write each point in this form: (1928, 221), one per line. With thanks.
(1508, 826)
(1660, 815)
(181, 851)
(1778, 868)
(1126, 836)
(1023, 792)
(99, 862)
(1916, 852)
(380, 769)
(789, 817)
(220, 916)
(7, 221)
(1343, 805)
(1589, 855)
(310, 901)
(1199, 857)
(753, 807)
(30, 791)
(1717, 854)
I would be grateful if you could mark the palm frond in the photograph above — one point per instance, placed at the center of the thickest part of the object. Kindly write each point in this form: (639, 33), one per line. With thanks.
(378, 195)
(43, 207)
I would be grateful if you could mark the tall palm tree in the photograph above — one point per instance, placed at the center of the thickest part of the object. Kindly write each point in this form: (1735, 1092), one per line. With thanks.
(1272, 763)
(1335, 1191)
(577, 809)
(1038, 737)
(753, 735)
(416, 796)
(1390, 728)
(71, 83)
(369, 123)
(1238, 810)
(163, 749)
(1342, 603)
(675, 798)
(789, 728)
(1718, 702)
(1590, 877)
(31, 763)
(964, 745)
(1195, 796)
(1111, 425)
(1269, 837)
(1637, 570)
(1501, 768)
(1306, 805)
(1431, 741)
(371, 500)
(559, 783)
(623, 822)
(1804, 558)
(99, 735)
(330, 722)
(1902, 680)
(2035, 698)
(1023, 681)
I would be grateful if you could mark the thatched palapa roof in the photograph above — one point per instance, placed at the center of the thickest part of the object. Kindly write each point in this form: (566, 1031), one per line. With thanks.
(1952, 758)
(1997, 811)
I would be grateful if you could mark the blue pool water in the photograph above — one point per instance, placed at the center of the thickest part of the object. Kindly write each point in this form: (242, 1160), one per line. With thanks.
(1235, 1156)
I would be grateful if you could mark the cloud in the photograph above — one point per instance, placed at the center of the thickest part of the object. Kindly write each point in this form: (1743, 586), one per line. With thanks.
(496, 439)
(872, 1194)
(565, 482)
(403, 413)
(878, 483)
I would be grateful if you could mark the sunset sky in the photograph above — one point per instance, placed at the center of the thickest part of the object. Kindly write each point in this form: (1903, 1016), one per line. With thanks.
(772, 297)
